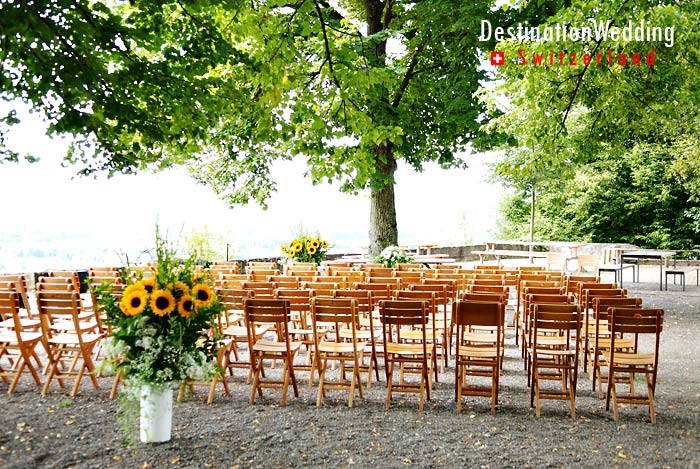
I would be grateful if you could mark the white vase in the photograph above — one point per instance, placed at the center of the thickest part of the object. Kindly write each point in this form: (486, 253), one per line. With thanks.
(156, 413)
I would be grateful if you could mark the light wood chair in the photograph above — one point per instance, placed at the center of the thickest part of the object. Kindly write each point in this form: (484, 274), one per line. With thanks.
(17, 345)
(436, 333)
(234, 281)
(235, 334)
(531, 300)
(413, 357)
(554, 352)
(28, 317)
(300, 327)
(321, 288)
(587, 263)
(69, 339)
(599, 338)
(478, 349)
(261, 275)
(444, 300)
(262, 289)
(342, 315)
(588, 295)
(286, 282)
(262, 312)
(370, 330)
(638, 322)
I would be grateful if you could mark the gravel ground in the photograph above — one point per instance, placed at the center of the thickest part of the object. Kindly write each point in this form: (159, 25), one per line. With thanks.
(59, 431)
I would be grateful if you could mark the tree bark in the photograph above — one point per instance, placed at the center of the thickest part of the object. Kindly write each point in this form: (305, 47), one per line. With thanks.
(383, 230)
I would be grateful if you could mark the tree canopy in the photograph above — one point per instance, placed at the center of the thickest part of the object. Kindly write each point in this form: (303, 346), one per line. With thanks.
(228, 87)
(613, 145)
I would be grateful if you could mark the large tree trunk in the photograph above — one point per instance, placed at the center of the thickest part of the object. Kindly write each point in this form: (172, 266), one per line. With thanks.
(383, 231)
(382, 218)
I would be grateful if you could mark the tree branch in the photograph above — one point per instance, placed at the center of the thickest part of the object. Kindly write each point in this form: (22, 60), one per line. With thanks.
(326, 44)
(406, 78)
(388, 14)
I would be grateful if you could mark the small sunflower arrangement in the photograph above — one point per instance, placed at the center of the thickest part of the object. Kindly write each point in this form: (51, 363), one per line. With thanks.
(305, 248)
(163, 328)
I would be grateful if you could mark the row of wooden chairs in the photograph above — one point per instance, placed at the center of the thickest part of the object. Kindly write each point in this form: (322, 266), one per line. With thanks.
(68, 359)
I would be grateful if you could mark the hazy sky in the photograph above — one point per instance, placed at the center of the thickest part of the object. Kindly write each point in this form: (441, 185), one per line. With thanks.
(44, 199)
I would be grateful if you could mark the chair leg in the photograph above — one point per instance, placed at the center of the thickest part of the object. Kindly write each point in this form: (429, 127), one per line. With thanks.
(389, 370)
(650, 396)
(320, 394)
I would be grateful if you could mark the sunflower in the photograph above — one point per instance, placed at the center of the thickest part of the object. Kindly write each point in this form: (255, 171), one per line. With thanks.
(148, 284)
(314, 243)
(134, 287)
(162, 302)
(133, 301)
(181, 288)
(202, 294)
(186, 306)
(297, 246)
(311, 250)
(324, 244)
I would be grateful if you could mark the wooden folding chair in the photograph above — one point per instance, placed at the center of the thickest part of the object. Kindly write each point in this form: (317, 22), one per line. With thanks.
(586, 302)
(554, 352)
(480, 327)
(369, 331)
(630, 362)
(235, 333)
(17, 345)
(69, 338)
(411, 357)
(437, 327)
(342, 315)
(599, 338)
(262, 312)
(300, 324)
(262, 289)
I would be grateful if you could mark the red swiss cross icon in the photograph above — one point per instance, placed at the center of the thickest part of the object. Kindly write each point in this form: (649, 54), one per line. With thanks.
(497, 58)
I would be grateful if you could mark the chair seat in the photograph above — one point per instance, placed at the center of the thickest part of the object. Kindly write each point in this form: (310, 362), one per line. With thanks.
(418, 335)
(554, 352)
(26, 323)
(72, 339)
(274, 347)
(480, 338)
(635, 359)
(406, 349)
(550, 341)
(70, 326)
(241, 331)
(478, 352)
(361, 333)
(340, 347)
(27, 337)
(619, 343)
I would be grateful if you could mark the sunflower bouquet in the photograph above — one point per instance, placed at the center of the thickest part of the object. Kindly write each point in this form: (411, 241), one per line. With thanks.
(163, 328)
(306, 249)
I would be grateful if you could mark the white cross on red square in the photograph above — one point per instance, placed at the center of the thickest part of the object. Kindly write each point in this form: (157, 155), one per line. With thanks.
(497, 58)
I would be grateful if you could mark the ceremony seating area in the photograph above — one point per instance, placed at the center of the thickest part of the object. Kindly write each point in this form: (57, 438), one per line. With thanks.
(341, 326)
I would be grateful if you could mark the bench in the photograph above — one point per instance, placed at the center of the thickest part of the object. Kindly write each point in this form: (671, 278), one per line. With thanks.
(618, 269)
(498, 253)
(681, 271)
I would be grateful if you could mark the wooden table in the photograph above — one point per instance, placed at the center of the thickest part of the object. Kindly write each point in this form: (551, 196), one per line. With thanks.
(639, 254)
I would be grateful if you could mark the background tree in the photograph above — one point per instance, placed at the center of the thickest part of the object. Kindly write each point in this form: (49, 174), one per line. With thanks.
(228, 87)
(625, 133)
